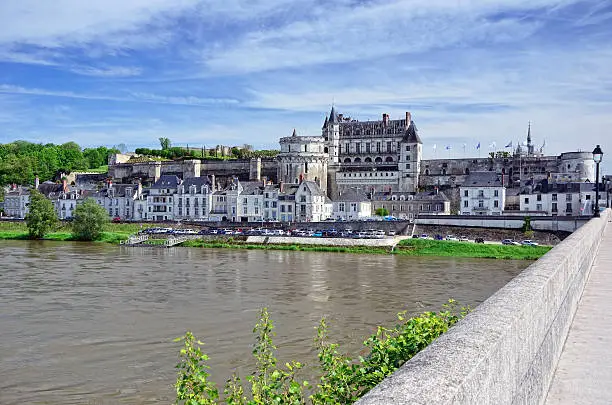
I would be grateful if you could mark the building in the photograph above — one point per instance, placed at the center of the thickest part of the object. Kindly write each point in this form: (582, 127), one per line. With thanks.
(160, 199)
(193, 200)
(311, 203)
(408, 206)
(483, 193)
(120, 200)
(564, 199)
(351, 205)
(16, 202)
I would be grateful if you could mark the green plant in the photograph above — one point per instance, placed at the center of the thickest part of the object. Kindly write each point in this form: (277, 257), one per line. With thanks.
(526, 224)
(89, 220)
(41, 218)
(192, 385)
(381, 212)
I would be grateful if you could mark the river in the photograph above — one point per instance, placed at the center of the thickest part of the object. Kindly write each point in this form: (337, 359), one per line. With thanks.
(85, 323)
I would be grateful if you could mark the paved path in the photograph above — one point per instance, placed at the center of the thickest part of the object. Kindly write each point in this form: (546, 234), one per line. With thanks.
(584, 372)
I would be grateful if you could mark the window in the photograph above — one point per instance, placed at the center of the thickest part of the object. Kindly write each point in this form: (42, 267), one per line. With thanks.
(358, 147)
(568, 197)
(496, 204)
(465, 203)
(554, 207)
(341, 207)
(367, 147)
(353, 207)
(480, 204)
(302, 198)
(346, 148)
(539, 198)
(568, 207)
(465, 193)
(407, 166)
(554, 197)
(526, 200)
(538, 207)
(407, 148)
(480, 193)
(289, 208)
(377, 146)
(588, 197)
(388, 146)
(496, 193)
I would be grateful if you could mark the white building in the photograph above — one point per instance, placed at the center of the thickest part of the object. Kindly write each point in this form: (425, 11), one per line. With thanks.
(120, 200)
(351, 205)
(482, 194)
(16, 202)
(311, 203)
(160, 200)
(566, 199)
(193, 200)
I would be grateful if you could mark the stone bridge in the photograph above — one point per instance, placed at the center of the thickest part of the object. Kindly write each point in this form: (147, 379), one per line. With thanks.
(544, 338)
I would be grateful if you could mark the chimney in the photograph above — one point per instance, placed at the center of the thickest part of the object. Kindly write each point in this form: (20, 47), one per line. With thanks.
(408, 118)
(281, 186)
(264, 180)
(65, 185)
(301, 177)
(36, 182)
(385, 119)
(213, 184)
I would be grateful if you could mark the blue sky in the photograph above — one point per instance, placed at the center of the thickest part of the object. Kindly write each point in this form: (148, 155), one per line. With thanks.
(204, 72)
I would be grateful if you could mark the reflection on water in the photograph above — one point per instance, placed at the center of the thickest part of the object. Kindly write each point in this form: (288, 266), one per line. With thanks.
(93, 323)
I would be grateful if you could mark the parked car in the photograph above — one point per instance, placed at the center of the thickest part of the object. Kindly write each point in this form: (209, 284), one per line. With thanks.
(510, 242)
(438, 237)
(529, 242)
(424, 236)
(452, 238)
(479, 240)
(463, 239)
(391, 233)
(415, 236)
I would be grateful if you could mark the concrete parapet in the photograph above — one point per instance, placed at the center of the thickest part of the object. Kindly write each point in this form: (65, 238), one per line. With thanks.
(348, 242)
(506, 351)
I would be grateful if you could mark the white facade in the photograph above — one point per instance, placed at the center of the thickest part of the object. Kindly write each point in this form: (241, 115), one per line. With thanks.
(482, 200)
(193, 200)
(311, 204)
(16, 203)
(572, 199)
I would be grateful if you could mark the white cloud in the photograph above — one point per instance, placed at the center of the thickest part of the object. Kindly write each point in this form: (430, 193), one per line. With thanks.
(133, 97)
(112, 71)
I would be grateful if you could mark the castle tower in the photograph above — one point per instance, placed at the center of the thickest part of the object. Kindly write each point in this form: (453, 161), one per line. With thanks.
(303, 158)
(331, 134)
(529, 144)
(411, 153)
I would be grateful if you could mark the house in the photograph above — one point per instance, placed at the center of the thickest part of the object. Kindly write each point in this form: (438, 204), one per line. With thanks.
(160, 199)
(16, 202)
(351, 205)
(286, 201)
(408, 206)
(251, 202)
(567, 199)
(311, 203)
(483, 193)
(193, 200)
(120, 200)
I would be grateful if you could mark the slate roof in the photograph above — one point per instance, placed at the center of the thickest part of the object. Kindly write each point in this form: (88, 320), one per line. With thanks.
(49, 187)
(313, 188)
(352, 195)
(167, 181)
(544, 187)
(333, 117)
(483, 179)
(412, 134)
(196, 181)
(424, 195)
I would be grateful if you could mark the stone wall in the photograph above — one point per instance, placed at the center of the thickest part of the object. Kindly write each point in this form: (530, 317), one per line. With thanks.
(539, 223)
(506, 350)
(491, 234)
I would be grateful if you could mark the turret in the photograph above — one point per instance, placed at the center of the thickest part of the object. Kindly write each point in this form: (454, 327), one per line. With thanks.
(331, 134)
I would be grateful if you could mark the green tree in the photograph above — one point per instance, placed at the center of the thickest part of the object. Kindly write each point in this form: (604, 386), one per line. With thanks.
(381, 212)
(164, 143)
(41, 217)
(89, 220)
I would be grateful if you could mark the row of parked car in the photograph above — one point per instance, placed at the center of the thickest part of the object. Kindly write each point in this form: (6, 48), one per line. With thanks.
(447, 237)
(326, 233)
(526, 242)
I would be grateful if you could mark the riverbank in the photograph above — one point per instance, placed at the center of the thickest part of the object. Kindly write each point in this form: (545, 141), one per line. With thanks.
(115, 233)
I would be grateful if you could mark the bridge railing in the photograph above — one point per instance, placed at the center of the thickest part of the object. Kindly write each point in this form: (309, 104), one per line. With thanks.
(507, 349)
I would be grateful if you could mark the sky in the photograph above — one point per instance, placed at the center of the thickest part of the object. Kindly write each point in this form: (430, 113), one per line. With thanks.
(206, 72)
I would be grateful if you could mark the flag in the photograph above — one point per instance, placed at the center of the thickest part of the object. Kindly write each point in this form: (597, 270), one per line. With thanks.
(509, 145)
(493, 145)
(478, 146)
(448, 147)
(435, 146)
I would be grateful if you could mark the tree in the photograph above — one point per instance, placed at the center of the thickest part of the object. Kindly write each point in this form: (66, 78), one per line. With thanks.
(41, 218)
(164, 143)
(89, 220)
(381, 212)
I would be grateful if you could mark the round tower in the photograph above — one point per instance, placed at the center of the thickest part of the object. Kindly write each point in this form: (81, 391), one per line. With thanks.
(331, 135)
(577, 166)
(303, 158)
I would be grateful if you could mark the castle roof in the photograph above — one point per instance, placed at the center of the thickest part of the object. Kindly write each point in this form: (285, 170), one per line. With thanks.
(167, 181)
(483, 179)
(352, 195)
(325, 123)
(412, 135)
(333, 117)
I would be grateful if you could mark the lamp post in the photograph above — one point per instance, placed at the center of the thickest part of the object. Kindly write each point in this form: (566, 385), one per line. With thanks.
(597, 157)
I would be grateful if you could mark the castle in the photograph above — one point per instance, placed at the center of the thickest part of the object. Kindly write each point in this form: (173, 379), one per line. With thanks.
(374, 157)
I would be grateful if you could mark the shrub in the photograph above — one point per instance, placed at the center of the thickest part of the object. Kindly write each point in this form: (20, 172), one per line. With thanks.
(89, 220)
(343, 380)
(41, 217)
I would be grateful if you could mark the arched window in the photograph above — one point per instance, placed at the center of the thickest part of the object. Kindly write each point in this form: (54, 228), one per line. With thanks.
(378, 160)
(444, 172)
(347, 160)
(368, 160)
(325, 150)
(357, 160)
(389, 159)
(426, 172)
(467, 170)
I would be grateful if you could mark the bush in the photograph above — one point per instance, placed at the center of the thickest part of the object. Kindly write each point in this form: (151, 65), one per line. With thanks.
(382, 212)
(344, 379)
(89, 220)
(41, 217)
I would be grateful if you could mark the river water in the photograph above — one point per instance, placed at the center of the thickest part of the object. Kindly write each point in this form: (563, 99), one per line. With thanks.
(93, 323)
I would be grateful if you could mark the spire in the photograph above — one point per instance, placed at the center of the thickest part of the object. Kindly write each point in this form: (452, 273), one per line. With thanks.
(333, 117)
(294, 132)
(325, 123)
(529, 133)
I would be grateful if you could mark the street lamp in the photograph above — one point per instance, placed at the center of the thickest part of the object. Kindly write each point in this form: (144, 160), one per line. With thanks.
(597, 157)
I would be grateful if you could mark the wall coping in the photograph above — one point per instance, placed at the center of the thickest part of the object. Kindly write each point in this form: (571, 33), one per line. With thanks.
(507, 349)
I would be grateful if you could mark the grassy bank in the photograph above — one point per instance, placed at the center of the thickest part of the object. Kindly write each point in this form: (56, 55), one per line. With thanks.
(114, 233)
(425, 247)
